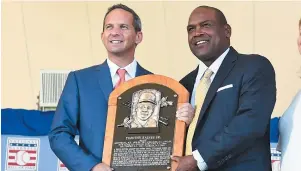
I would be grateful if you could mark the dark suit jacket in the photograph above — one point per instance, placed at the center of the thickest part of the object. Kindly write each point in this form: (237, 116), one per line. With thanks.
(83, 106)
(233, 128)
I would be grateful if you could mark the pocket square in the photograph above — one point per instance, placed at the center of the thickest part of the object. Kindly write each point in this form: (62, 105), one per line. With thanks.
(225, 87)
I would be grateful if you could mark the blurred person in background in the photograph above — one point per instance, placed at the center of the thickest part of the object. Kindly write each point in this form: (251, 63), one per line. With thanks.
(290, 130)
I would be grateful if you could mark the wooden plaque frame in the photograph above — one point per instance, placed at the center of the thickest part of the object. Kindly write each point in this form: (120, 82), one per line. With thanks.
(180, 126)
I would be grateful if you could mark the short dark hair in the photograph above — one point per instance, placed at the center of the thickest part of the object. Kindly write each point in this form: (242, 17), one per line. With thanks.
(136, 22)
(219, 14)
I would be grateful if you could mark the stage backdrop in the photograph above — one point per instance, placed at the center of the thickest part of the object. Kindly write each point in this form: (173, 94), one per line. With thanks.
(66, 35)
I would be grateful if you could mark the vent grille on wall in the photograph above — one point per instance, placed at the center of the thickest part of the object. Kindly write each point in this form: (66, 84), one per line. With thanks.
(51, 87)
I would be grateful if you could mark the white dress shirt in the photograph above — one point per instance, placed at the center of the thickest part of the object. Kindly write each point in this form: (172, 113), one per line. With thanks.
(202, 68)
(130, 71)
(290, 136)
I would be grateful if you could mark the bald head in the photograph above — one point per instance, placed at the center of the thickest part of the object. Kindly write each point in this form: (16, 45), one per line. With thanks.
(220, 17)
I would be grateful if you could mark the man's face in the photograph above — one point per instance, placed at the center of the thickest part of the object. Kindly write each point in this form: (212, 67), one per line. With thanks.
(299, 40)
(145, 110)
(119, 34)
(207, 37)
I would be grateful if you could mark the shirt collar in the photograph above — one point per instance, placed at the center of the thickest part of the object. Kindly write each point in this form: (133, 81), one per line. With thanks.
(213, 67)
(130, 68)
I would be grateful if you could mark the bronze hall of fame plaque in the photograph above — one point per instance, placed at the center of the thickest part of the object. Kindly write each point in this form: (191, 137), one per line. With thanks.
(142, 130)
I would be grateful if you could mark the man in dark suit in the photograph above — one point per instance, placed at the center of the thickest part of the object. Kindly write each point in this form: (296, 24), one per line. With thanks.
(84, 102)
(232, 125)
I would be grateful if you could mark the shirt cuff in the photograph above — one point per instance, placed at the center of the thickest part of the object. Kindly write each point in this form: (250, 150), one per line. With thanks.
(200, 161)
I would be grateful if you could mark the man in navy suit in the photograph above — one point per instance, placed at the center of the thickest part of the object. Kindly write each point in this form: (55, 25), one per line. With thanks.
(232, 131)
(84, 102)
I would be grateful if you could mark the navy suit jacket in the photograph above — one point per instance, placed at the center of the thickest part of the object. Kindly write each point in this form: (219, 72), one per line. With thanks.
(233, 127)
(83, 107)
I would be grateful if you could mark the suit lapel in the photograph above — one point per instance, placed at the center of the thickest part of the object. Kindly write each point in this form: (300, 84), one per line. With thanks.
(221, 74)
(141, 71)
(189, 84)
(104, 79)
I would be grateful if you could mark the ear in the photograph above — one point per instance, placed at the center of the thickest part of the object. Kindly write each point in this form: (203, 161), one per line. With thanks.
(102, 37)
(139, 37)
(299, 43)
(228, 31)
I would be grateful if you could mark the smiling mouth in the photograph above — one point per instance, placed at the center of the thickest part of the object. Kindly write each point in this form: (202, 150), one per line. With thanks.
(144, 114)
(201, 42)
(116, 41)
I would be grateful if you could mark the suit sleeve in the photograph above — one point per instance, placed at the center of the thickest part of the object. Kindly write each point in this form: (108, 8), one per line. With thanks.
(256, 103)
(64, 128)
